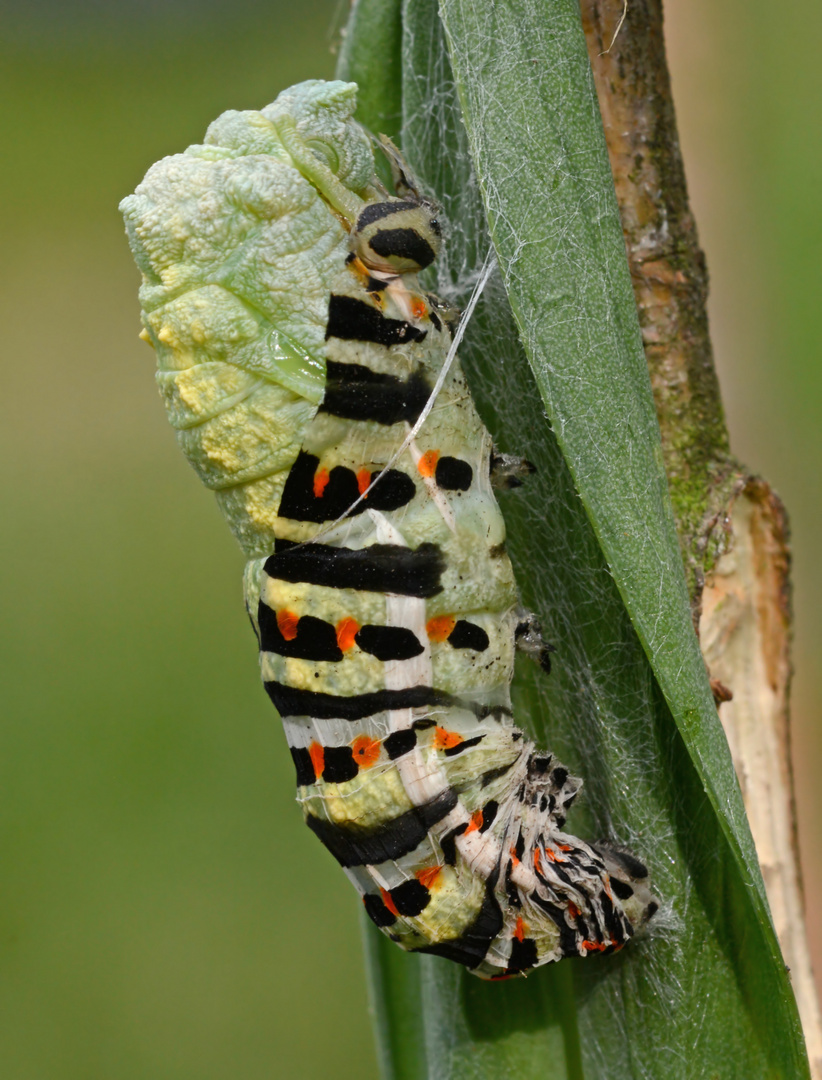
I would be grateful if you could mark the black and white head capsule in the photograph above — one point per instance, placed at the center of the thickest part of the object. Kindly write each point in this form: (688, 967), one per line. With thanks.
(401, 236)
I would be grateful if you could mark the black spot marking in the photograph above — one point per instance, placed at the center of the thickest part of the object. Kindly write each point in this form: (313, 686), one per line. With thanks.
(435, 319)
(392, 491)
(559, 776)
(466, 635)
(351, 319)
(523, 956)
(315, 640)
(382, 568)
(403, 244)
(400, 742)
(466, 744)
(352, 846)
(453, 474)
(621, 888)
(629, 863)
(377, 911)
(289, 701)
(339, 764)
(302, 763)
(541, 764)
(388, 642)
(410, 899)
(379, 210)
(489, 813)
(298, 501)
(449, 845)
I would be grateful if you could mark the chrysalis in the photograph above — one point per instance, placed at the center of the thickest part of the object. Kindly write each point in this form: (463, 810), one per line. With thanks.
(296, 350)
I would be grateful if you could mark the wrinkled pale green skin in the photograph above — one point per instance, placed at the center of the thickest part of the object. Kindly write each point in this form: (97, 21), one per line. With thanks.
(238, 249)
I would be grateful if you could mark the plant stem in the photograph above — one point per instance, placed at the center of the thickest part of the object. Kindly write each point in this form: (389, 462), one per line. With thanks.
(732, 526)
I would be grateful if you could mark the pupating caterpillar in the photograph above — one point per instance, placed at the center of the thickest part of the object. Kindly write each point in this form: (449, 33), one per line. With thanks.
(296, 351)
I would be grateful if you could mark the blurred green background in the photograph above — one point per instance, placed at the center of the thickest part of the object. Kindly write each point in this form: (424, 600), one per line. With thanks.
(164, 914)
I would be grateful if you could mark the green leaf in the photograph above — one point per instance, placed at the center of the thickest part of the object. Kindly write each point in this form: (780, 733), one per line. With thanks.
(511, 136)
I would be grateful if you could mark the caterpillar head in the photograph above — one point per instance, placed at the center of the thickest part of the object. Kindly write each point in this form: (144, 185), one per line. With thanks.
(401, 236)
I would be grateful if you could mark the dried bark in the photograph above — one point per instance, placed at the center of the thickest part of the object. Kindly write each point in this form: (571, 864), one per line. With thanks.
(732, 526)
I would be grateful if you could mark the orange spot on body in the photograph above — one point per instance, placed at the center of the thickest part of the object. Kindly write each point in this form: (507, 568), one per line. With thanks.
(444, 740)
(363, 480)
(521, 928)
(552, 855)
(565, 847)
(389, 903)
(428, 876)
(514, 857)
(439, 628)
(537, 861)
(317, 755)
(287, 622)
(475, 822)
(321, 478)
(346, 629)
(419, 308)
(365, 750)
(573, 910)
(427, 465)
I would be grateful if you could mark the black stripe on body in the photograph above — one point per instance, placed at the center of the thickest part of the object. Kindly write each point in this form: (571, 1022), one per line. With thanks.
(350, 319)
(403, 244)
(448, 844)
(472, 945)
(391, 840)
(453, 474)
(379, 210)
(568, 942)
(355, 392)
(382, 568)
(466, 635)
(489, 813)
(315, 640)
(289, 701)
(299, 503)
(388, 642)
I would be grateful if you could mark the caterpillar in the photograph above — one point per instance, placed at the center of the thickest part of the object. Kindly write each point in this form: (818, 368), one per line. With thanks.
(296, 353)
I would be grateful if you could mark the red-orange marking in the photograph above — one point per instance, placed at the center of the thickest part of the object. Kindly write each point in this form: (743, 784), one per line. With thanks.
(594, 946)
(346, 629)
(419, 309)
(389, 903)
(427, 464)
(475, 822)
(521, 928)
(428, 876)
(439, 628)
(552, 855)
(287, 622)
(537, 861)
(565, 847)
(363, 480)
(573, 910)
(317, 755)
(444, 740)
(514, 856)
(366, 751)
(321, 478)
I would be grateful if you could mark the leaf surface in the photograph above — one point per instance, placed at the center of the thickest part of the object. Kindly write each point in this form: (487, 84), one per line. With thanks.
(555, 362)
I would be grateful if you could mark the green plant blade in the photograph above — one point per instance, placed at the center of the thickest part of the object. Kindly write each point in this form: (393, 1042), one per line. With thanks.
(628, 707)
